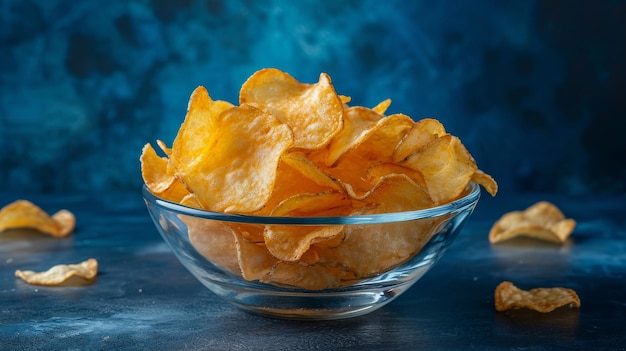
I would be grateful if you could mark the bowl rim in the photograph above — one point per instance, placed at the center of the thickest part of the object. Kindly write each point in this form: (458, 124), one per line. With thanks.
(456, 206)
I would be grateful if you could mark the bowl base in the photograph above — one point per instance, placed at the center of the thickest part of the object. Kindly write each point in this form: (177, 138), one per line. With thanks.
(311, 306)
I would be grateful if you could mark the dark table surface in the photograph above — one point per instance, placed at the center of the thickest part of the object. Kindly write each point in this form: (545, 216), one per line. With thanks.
(145, 299)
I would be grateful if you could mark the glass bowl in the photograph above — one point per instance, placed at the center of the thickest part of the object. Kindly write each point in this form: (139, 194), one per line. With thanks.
(426, 234)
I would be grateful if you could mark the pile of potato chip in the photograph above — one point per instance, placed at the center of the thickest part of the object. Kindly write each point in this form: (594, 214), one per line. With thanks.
(297, 149)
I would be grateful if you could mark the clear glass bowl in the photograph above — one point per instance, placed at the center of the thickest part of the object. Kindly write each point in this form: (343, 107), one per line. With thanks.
(354, 299)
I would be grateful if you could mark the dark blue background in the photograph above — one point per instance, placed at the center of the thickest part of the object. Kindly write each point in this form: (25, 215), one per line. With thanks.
(535, 89)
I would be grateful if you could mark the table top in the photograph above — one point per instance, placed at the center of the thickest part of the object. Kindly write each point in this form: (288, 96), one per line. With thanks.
(145, 299)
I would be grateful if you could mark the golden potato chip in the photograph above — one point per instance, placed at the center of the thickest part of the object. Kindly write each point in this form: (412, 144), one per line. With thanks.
(421, 134)
(362, 124)
(313, 111)
(382, 107)
(154, 170)
(198, 130)
(508, 296)
(25, 214)
(378, 143)
(302, 205)
(389, 244)
(236, 170)
(295, 176)
(254, 260)
(315, 277)
(542, 220)
(310, 171)
(289, 243)
(215, 241)
(446, 165)
(486, 181)
(62, 274)
(381, 169)
(159, 177)
(166, 150)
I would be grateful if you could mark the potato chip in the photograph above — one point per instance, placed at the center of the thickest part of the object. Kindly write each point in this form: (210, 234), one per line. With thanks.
(254, 260)
(421, 134)
(154, 170)
(25, 214)
(389, 244)
(62, 274)
(446, 165)
(543, 221)
(544, 300)
(236, 170)
(309, 170)
(486, 181)
(289, 242)
(361, 124)
(378, 143)
(313, 111)
(295, 176)
(315, 277)
(159, 177)
(382, 107)
(215, 241)
(198, 128)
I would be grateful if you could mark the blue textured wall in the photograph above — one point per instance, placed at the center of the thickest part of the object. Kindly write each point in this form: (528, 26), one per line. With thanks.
(535, 89)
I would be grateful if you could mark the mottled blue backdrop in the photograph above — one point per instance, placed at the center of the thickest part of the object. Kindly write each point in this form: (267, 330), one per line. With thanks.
(535, 89)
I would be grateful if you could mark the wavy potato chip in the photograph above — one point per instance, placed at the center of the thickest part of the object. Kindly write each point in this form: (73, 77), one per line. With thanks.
(446, 165)
(25, 214)
(237, 170)
(198, 128)
(486, 181)
(389, 244)
(543, 221)
(62, 274)
(544, 300)
(382, 106)
(313, 111)
(421, 134)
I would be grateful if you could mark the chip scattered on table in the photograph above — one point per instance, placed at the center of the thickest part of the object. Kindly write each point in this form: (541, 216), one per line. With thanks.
(63, 274)
(25, 214)
(543, 221)
(298, 149)
(508, 296)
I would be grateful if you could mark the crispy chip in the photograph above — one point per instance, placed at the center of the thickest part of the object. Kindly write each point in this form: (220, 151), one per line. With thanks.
(159, 177)
(542, 220)
(315, 277)
(313, 111)
(389, 244)
(198, 129)
(62, 274)
(215, 241)
(508, 296)
(290, 243)
(446, 165)
(254, 260)
(382, 107)
(486, 181)
(154, 170)
(25, 214)
(237, 169)
(310, 171)
(421, 134)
